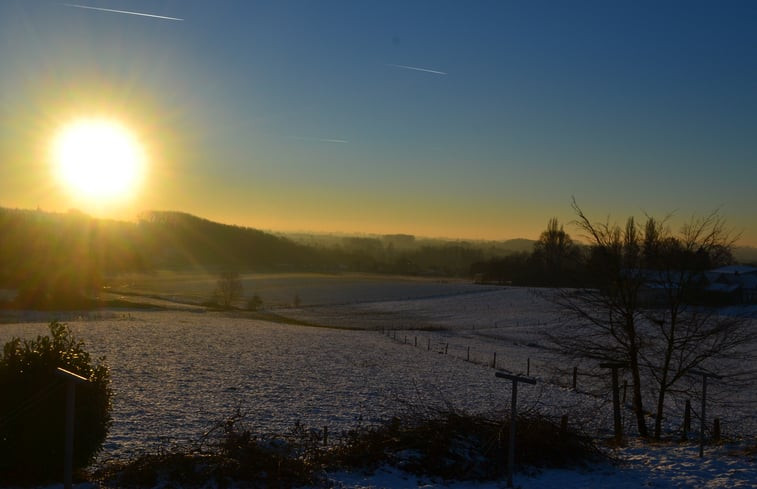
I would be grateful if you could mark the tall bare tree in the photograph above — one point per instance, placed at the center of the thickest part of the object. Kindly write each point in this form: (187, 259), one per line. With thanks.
(683, 335)
(644, 308)
(603, 321)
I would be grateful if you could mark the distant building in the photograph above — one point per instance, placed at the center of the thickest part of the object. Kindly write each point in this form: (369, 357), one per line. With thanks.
(733, 283)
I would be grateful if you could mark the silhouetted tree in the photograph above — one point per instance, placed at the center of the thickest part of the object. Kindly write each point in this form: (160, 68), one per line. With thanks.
(682, 335)
(555, 255)
(640, 309)
(229, 289)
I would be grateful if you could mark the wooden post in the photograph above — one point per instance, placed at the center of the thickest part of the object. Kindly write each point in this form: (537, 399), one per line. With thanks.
(494, 360)
(575, 377)
(704, 406)
(467, 357)
(617, 423)
(702, 421)
(416, 342)
(563, 425)
(513, 416)
(68, 458)
(716, 430)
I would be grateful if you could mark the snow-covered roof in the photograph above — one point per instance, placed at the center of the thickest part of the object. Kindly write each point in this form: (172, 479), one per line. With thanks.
(720, 287)
(735, 270)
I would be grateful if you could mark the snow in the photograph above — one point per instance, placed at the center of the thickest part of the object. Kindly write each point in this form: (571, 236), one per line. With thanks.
(177, 372)
(643, 466)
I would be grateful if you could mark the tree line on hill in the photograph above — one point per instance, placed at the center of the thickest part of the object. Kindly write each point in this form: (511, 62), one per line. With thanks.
(61, 259)
(558, 261)
(53, 259)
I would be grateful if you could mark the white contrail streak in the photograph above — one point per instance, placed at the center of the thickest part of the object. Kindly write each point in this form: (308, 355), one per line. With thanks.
(141, 14)
(323, 140)
(436, 72)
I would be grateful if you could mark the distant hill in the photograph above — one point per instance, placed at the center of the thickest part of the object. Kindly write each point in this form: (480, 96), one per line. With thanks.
(180, 240)
(56, 259)
(519, 245)
(745, 254)
(51, 259)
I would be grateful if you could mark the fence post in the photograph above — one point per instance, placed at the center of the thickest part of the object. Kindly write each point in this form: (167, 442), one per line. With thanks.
(704, 405)
(467, 357)
(528, 366)
(618, 425)
(494, 360)
(513, 416)
(68, 459)
(563, 425)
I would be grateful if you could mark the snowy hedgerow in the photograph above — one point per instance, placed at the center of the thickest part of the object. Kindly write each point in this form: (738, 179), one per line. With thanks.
(32, 406)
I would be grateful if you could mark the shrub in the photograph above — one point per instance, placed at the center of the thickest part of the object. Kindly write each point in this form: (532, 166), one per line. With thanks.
(447, 445)
(229, 455)
(461, 446)
(32, 406)
(254, 303)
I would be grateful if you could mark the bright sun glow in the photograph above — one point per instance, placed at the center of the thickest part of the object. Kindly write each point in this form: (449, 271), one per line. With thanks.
(98, 160)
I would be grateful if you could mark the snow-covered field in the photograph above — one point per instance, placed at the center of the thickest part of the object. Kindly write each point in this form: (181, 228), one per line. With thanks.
(177, 372)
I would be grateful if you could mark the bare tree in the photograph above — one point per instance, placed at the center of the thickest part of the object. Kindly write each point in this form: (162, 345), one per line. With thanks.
(644, 308)
(685, 336)
(603, 321)
(229, 289)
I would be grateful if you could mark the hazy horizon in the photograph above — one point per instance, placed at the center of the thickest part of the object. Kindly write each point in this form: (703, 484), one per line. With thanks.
(475, 121)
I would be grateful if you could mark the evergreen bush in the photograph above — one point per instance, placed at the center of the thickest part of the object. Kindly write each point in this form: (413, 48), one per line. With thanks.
(32, 406)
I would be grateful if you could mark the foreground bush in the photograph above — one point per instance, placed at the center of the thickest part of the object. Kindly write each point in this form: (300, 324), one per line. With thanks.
(236, 456)
(32, 406)
(461, 446)
(443, 445)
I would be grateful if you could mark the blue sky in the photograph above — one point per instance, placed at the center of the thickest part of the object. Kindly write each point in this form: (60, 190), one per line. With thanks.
(298, 115)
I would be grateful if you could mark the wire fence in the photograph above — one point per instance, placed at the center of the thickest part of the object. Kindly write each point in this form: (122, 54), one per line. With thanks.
(728, 394)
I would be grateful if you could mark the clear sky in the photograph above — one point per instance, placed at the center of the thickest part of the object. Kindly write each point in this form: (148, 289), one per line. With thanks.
(469, 119)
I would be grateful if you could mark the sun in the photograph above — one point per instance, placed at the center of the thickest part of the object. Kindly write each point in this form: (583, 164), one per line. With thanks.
(98, 160)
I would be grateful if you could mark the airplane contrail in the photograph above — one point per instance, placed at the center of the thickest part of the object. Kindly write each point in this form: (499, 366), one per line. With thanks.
(322, 140)
(141, 14)
(436, 72)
